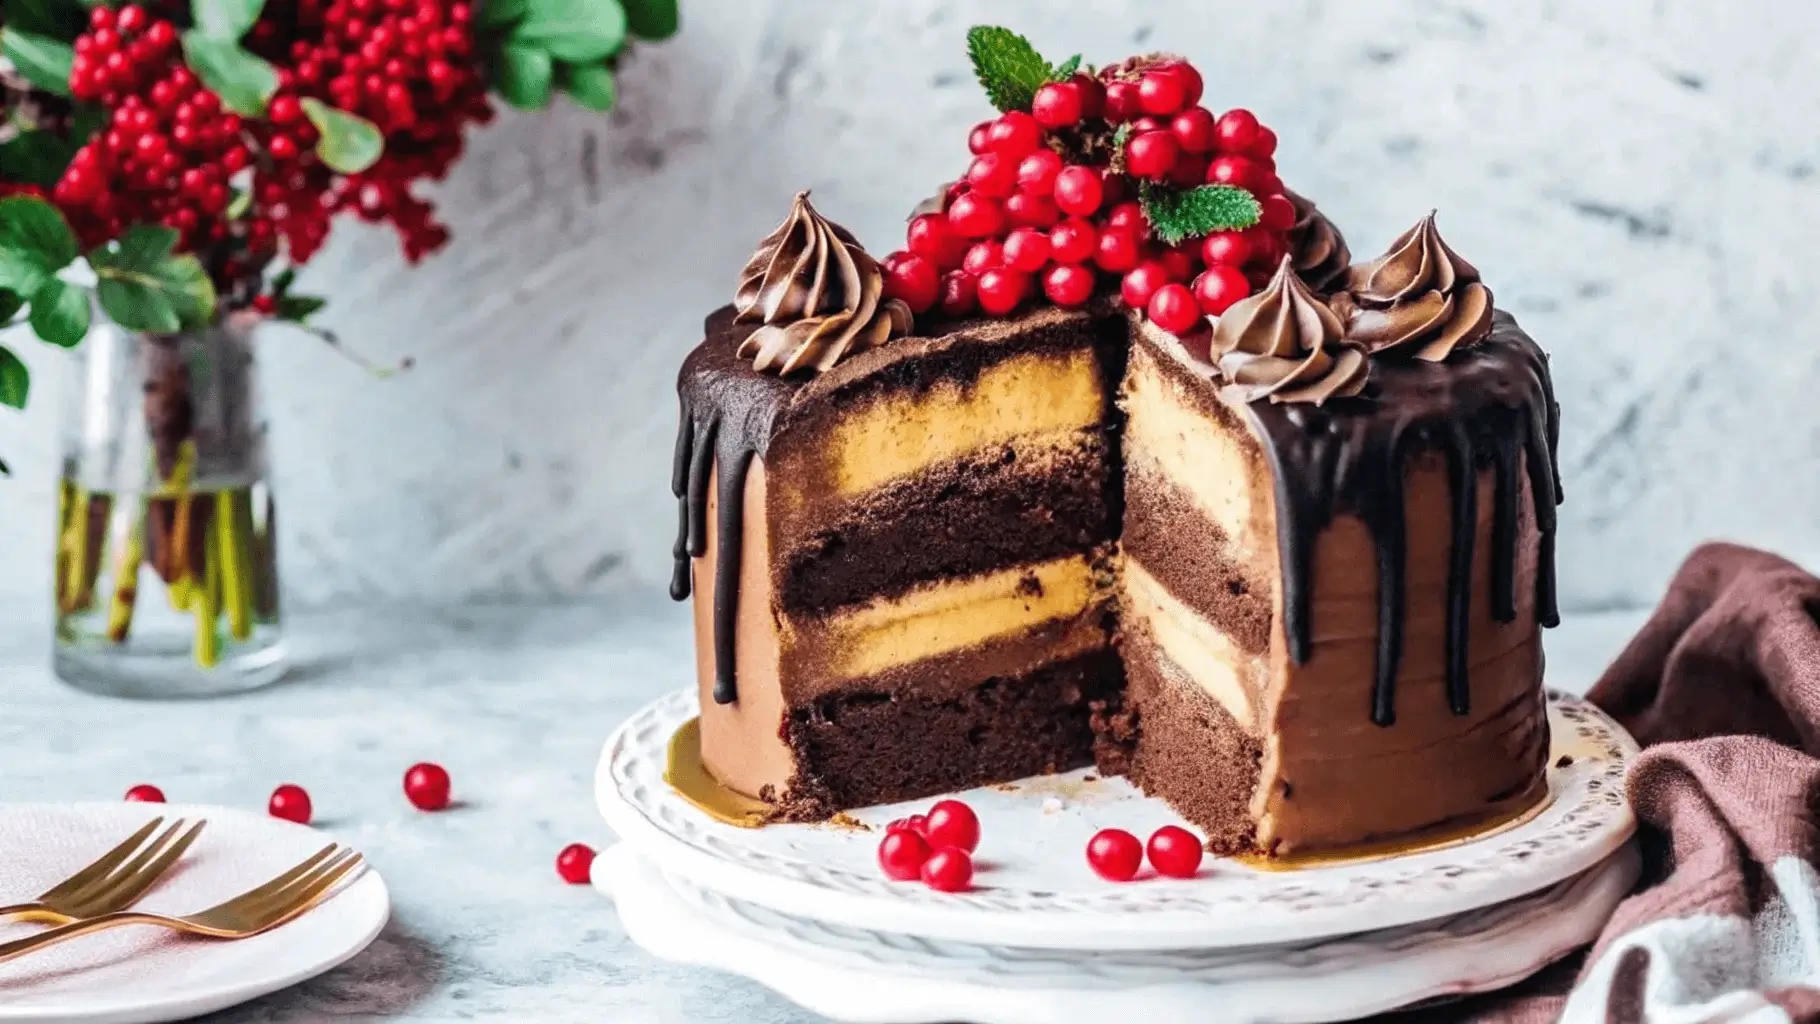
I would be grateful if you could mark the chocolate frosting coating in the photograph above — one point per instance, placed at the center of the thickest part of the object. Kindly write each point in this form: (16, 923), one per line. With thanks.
(1285, 344)
(818, 295)
(1419, 299)
(1316, 245)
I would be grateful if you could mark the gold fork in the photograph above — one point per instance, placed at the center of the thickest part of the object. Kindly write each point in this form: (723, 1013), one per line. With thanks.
(256, 910)
(115, 880)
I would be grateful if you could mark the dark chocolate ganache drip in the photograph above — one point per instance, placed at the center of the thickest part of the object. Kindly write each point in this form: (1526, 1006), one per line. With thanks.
(727, 414)
(1490, 406)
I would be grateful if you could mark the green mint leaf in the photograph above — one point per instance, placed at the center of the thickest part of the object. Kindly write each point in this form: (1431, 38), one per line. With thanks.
(35, 157)
(590, 85)
(15, 380)
(349, 143)
(651, 19)
(44, 61)
(281, 285)
(226, 20)
(145, 288)
(9, 305)
(1066, 70)
(575, 31)
(243, 80)
(297, 308)
(35, 243)
(60, 313)
(1176, 214)
(59, 19)
(499, 14)
(1007, 65)
(523, 74)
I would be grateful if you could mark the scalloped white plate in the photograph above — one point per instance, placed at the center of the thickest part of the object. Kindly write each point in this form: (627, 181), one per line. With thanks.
(1033, 888)
(864, 976)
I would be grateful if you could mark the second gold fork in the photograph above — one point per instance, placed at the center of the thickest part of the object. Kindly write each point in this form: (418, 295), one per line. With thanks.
(115, 880)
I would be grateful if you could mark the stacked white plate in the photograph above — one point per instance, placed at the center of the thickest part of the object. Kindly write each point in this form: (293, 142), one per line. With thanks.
(804, 909)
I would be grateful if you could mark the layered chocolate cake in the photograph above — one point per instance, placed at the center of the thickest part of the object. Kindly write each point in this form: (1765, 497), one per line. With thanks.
(1276, 545)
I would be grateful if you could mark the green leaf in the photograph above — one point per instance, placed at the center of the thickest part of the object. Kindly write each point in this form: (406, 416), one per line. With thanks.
(45, 62)
(241, 202)
(522, 75)
(15, 380)
(651, 19)
(35, 243)
(60, 313)
(499, 14)
(590, 85)
(59, 19)
(350, 143)
(297, 308)
(1176, 214)
(35, 157)
(1007, 65)
(143, 287)
(243, 80)
(576, 31)
(9, 305)
(226, 20)
(1066, 70)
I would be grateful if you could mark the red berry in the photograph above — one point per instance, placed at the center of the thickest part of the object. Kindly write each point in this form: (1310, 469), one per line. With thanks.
(282, 148)
(1266, 145)
(930, 237)
(901, 854)
(1026, 210)
(1277, 213)
(948, 870)
(1117, 250)
(1115, 854)
(1229, 248)
(100, 18)
(915, 280)
(1180, 261)
(1190, 79)
(292, 803)
(1148, 124)
(131, 19)
(1073, 241)
(575, 863)
(992, 174)
(1122, 103)
(960, 296)
(1014, 134)
(143, 793)
(1079, 190)
(976, 139)
(1162, 93)
(1219, 287)
(1036, 172)
(1190, 170)
(1174, 309)
(975, 216)
(1141, 282)
(953, 823)
(1001, 289)
(1026, 249)
(1068, 285)
(1151, 154)
(1193, 129)
(1233, 170)
(915, 823)
(983, 256)
(265, 304)
(1092, 91)
(1267, 247)
(1057, 105)
(1128, 216)
(426, 785)
(1236, 131)
(162, 35)
(1175, 851)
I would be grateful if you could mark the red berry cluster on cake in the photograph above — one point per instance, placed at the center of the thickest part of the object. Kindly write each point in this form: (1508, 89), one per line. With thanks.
(1117, 179)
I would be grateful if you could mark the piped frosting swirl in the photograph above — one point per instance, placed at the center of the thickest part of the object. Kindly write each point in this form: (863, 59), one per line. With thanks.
(818, 295)
(1419, 299)
(1316, 245)
(1285, 344)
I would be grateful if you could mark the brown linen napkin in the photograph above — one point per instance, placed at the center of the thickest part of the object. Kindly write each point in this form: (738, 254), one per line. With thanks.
(1722, 688)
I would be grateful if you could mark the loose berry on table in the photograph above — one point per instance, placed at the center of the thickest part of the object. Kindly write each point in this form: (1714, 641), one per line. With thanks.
(1175, 851)
(576, 863)
(426, 785)
(292, 803)
(1115, 855)
(948, 870)
(953, 823)
(144, 793)
(902, 853)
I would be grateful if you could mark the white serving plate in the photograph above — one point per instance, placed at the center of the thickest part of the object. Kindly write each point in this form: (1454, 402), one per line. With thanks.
(864, 976)
(1033, 887)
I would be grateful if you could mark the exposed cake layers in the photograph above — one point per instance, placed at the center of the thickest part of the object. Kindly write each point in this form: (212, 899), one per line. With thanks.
(1260, 629)
(922, 534)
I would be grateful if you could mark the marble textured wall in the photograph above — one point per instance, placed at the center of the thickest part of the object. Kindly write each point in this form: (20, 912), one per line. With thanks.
(1636, 177)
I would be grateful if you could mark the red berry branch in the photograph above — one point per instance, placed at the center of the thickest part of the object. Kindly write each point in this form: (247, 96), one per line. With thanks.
(1117, 180)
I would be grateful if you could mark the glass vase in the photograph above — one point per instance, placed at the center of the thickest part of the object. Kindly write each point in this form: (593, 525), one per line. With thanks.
(166, 559)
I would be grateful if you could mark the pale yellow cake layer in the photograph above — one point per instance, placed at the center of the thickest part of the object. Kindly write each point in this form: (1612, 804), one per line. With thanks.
(1198, 647)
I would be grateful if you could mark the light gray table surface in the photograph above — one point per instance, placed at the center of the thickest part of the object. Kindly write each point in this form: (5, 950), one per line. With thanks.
(516, 702)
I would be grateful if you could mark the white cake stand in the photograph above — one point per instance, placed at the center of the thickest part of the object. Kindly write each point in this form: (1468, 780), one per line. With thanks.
(867, 976)
(1033, 889)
